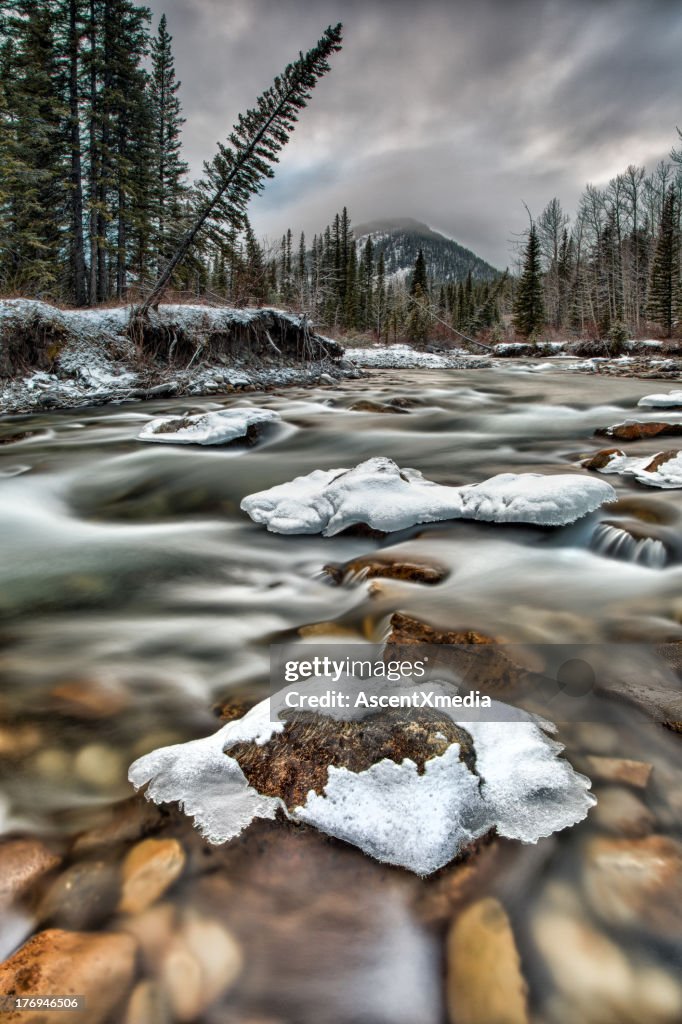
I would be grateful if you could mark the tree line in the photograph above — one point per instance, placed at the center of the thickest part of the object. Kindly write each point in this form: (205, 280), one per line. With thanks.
(92, 182)
(615, 270)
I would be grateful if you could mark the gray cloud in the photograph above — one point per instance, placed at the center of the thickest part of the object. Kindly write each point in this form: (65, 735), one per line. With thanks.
(451, 112)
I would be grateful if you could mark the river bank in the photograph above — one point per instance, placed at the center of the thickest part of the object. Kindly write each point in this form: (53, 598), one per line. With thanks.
(64, 359)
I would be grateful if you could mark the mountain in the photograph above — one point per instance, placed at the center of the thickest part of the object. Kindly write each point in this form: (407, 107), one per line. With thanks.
(401, 238)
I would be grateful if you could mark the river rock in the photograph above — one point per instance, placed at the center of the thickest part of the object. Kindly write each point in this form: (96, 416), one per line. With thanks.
(149, 870)
(82, 897)
(636, 883)
(619, 770)
(219, 427)
(372, 567)
(595, 981)
(125, 823)
(18, 740)
(218, 954)
(485, 984)
(622, 813)
(100, 766)
(147, 1005)
(153, 930)
(89, 698)
(97, 966)
(635, 430)
(23, 864)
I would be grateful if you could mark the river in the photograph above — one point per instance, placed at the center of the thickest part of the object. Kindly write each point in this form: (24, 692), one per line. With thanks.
(136, 597)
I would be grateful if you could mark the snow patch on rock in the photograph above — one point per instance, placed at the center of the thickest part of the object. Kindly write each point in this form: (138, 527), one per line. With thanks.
(664, 469)
(521, 788)
(218, 427)
(661, 401)
(379, 494)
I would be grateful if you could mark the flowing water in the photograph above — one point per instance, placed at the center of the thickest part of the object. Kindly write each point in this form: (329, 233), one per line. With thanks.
(136, 597)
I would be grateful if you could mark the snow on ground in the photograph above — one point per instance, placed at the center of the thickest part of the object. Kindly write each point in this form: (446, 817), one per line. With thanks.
(393, 357)
(521, 788)
(97, 362)
(379, 494)
(664, 469)
(661, 401)
(219, 427)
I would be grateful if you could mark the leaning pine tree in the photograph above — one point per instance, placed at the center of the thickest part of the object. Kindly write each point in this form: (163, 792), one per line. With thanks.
(239, 169)
(529, 310)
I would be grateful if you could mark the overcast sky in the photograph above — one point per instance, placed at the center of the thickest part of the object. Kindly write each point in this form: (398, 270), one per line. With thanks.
(451, 112)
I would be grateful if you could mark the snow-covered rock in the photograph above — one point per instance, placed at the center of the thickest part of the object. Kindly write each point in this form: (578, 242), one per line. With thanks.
(217, 427)
(661, 401)
(520, 787)
(664, 469)
(379, 494)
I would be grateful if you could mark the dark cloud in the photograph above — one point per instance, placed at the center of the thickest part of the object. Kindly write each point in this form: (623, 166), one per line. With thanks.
(451, 112)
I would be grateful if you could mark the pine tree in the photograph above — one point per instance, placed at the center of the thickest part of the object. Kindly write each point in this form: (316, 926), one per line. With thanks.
(239, 169)
(35, 155)
(169, 169)
(665, 298)
(528, 306)
(419, 278)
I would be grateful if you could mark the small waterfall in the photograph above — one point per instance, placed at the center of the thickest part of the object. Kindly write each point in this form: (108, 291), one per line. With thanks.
(612, 542)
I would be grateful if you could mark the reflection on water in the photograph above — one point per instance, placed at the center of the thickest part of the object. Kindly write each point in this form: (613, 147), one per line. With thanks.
(137, 598)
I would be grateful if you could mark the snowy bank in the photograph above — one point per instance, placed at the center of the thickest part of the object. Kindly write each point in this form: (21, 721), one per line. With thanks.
(51, 358)
(378, 494)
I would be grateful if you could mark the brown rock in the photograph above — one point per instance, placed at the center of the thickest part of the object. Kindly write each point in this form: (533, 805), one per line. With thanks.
(149, 870)
(17, 741)
(147, 1005)
(472, 656)
(372, 568)
(127, 821)
(635, 430)
(297, 759)
(82, 897)
(23, 863)
(88, 698)
(595, 981)
(636, 883)
(621, 770)
(660, 459)
(485, 984)
(601, 459)
(619, 811)
(153, 930)
(97, 966)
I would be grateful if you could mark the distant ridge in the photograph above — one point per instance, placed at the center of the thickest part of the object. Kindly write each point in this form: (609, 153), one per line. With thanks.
(401, 238)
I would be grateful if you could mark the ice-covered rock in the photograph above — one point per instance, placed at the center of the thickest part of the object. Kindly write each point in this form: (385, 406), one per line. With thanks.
(664, 469)
(217, 427)
(379, 494)
(661, 401)
(420, 820)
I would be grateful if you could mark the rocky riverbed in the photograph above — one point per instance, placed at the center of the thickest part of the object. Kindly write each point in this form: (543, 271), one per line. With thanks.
(138, 606)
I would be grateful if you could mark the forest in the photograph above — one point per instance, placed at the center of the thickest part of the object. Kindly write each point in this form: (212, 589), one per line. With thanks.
(95, 194)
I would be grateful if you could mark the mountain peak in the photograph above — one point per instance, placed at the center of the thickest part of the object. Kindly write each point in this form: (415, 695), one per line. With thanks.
(401, 238)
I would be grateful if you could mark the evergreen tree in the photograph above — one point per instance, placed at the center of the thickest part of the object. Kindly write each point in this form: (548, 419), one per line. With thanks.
(169, 169)
(419, 278)
(35, 154)
(528, 306)
(665, 299)
(239, 169)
